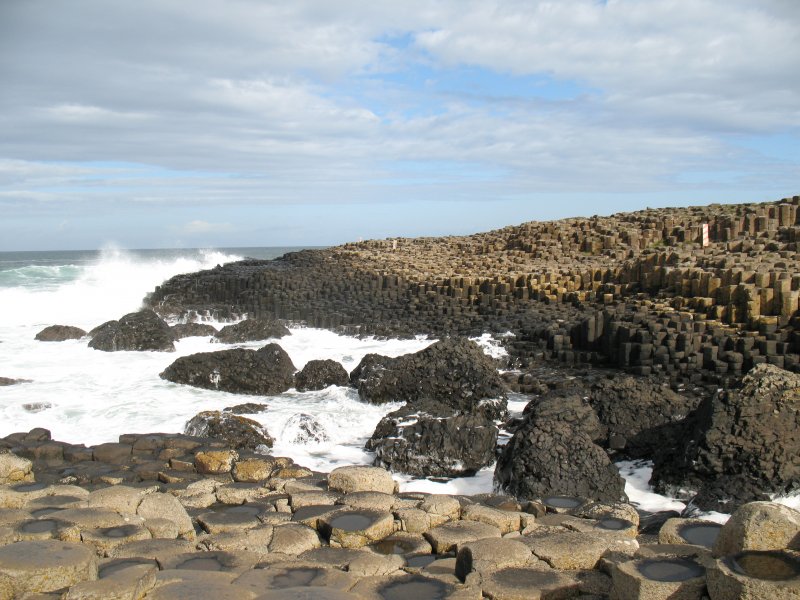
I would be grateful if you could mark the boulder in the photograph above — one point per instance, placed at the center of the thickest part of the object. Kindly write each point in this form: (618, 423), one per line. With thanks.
(140, 331)
(742, 444)
(429, 439)
(60, 333)
(553, 453)
(454, 372)
(319, 374)
(238, 432)
(251, 330)
(635, 413)
(4, 381)
(183, 330)
(759, 526)
(14, 469)
(267, 371)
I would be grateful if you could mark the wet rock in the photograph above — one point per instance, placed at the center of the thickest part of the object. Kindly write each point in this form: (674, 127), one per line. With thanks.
(248, 408)
(759, 526)
(635, 413)
(304, 429)
(184, 330)
(60, 333)
(428, 439)
(551, 457)
(251, 330)
(268, 371)
(238, 432)
(319, 374)
(755, 574)
(36, 407)
(4, 381)
(454, 372)
(139, 331)
(743, 444)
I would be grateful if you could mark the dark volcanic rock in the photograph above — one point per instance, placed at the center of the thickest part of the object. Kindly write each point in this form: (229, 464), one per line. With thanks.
(8, 381)
(266, 371)
(430, 439)
(142, 330)
(238, 432)
(183, 330)
(553, 453)
(251, 330)
(60, 333)
(248, 408)
(454, 372)
(743, 446)
(567, 406)
(636, 413)
(319, 374)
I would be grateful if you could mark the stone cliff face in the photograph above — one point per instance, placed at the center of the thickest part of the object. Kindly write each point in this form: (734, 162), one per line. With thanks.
(638, 291)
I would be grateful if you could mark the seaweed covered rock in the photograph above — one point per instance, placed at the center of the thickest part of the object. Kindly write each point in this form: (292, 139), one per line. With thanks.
(636, 413)
(553, 453)
(266, 371)
(238, 432)
(182, 330)
(454, 372)
(251, 330)
(60, 333)
(743, 446)
(140, 331)
(429, 439)
(319, 374)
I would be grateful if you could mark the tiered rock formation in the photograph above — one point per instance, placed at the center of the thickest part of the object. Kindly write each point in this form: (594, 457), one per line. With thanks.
(636, 290)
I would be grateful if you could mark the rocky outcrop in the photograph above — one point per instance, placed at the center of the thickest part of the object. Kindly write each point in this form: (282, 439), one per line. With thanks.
(267, 371)
(60, 333)
(552, 452)
(319, 374)
(638, 414)
(140, 331)
(453, 372)
(429, 439)
(237, 432)
(9, 381)
(182, 330)
(251, 330)
(742, 446)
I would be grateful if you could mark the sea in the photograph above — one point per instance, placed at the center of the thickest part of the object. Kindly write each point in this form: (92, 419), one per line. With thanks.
(87, 396)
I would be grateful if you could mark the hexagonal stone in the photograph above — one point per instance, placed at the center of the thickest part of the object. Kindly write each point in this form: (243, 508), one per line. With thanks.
(44, 566)
(166, 506)
(95, 518)
(755, 575)
(369, 501)
(158, 549)
(361, 478)
(106, 538)
(666, 578)
(293, 539)
(611, 525)
(406, 586)
(490, 555)
(318, 497)
(451, 536)
(112, 453)
(403, 544)
(132, 581)
(311, 515)
(121, 498)
(228, 562)
(179, 584)
(504, 520)
(255, 540)
(14, 469)
(46, 529)
(697, 532)
(18, 495)
(215, 461)
(51, 503)
(521, 583)
(253, 470)
(305, 593)
(571, 550)
(234, 518)
(279, 577)
(239, 493)
(444, 506)
(356, 528)
(413, 520)
(759, 526)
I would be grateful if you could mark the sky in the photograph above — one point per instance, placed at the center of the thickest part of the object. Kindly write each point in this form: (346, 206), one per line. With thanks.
(219, 123)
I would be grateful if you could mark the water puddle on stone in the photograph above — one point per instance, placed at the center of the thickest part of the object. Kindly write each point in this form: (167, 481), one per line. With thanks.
(671, 570)
(613, 524)
(351, 522)
(295, 578)
(119, 532)
(311, 511)
(772, 566)
(117, 566)
(702, 534)
(29, 487)
(42, 526)
(564, 502)
(522, 578)
(201, 564)
(414, 587)
(43, 512)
